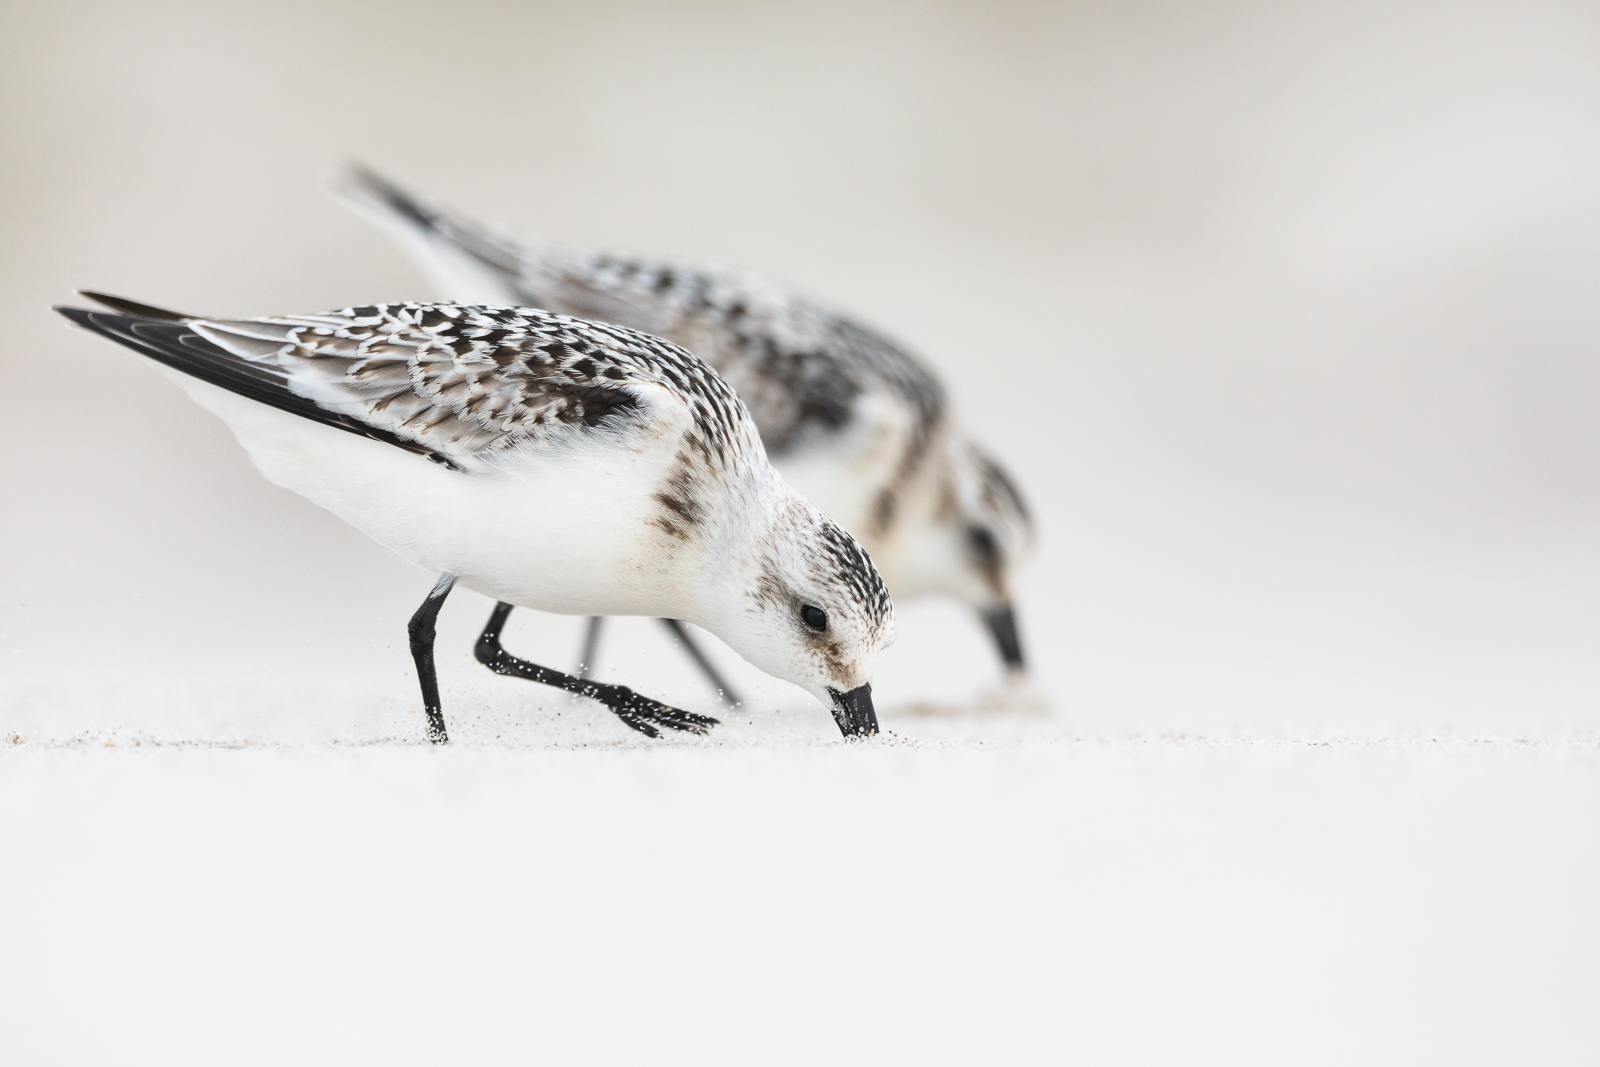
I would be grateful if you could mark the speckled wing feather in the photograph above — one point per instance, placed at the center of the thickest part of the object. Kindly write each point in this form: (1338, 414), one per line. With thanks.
(798, 367)
(458, 383)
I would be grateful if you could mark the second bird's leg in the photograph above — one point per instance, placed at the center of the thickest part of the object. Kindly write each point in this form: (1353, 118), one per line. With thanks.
(591, 646)
(591, 650)
(724, 690)
(639, 712)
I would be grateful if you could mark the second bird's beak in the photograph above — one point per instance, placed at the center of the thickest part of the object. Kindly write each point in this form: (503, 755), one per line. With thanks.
(1002, 624)
(853, 711)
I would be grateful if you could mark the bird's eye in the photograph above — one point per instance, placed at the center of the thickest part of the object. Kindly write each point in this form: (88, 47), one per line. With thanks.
(982, 542)
(815, 618)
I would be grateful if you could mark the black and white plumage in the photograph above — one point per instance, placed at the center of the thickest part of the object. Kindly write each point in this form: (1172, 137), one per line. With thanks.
(546, 461)
(860, 426)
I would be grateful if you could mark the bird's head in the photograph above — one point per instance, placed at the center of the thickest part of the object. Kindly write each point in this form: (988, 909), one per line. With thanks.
(795, 595)
(978, 535)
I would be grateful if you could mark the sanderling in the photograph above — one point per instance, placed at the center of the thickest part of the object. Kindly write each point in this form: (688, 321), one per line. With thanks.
(570, 466)
(860, 426)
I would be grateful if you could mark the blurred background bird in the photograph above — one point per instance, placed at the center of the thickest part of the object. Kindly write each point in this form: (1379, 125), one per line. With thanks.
(863, 428)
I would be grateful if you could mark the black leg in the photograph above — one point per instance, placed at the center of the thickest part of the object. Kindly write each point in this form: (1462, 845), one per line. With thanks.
(707, 668)
(639, 712)
(421, 630)
(591, 647)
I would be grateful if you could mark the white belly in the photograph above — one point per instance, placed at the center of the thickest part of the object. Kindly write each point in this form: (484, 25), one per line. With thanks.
(564, 531)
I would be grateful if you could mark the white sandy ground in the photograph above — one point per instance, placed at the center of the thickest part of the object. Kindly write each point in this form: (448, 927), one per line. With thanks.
(185, 885)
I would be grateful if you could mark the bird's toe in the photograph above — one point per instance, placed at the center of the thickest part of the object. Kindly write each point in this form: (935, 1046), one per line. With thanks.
(645, 715)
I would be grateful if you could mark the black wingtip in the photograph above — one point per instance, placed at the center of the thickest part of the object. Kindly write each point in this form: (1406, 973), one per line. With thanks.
(362, 180)
(79, 316)
(133, 307)
(359, 173)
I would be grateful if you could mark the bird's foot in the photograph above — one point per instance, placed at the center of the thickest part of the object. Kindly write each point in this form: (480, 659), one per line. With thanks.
(643, 714)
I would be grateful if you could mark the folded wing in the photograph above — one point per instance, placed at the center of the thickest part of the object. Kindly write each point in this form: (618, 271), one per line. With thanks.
(455, 383)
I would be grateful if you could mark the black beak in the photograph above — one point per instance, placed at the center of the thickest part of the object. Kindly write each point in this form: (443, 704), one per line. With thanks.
(853, 712)
(1002, 624)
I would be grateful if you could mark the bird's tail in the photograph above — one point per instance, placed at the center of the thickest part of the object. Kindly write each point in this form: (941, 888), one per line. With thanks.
(468, 262)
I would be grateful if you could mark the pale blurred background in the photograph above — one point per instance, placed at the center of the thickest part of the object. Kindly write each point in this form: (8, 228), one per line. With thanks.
(1285, 316)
